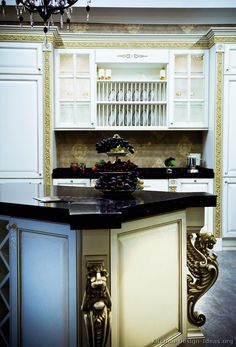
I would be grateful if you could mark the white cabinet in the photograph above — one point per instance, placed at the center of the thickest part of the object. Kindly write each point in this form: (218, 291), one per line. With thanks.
(229, 208)
(131, 89)
(189, 89)
(20, 58)
(197, 185)
(229, 153)
(21, 105)
(21, 126)
(229, 126)
(155, 184)
(43, 284)
(230, 59)
(79, 182)
(74, 89)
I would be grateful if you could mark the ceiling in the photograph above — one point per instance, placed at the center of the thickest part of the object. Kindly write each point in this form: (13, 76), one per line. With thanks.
(206, 12)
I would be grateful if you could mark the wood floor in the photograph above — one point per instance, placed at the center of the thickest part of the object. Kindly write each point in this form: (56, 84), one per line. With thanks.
(219, 305)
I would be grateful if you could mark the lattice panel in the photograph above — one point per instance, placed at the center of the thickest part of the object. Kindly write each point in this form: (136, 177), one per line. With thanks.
(4, 286)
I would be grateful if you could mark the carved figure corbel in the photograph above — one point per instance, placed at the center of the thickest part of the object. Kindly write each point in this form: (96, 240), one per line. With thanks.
(96, 306)
(203, 267)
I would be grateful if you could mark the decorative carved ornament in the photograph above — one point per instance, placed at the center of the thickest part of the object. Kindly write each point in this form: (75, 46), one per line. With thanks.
(203, 267)
(96, 306)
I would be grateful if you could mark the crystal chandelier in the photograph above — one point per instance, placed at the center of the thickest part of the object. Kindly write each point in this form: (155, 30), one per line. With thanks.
(46, 9)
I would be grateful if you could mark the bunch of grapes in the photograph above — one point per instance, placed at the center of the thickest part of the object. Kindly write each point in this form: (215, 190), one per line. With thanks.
(113, 182)
(117, 166)
(114, 144)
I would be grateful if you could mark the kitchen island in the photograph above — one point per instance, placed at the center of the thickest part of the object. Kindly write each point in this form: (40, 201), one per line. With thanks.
(71, 264)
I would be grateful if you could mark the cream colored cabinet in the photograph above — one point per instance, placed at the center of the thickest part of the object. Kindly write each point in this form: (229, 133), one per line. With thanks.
(21, 105)
(42, 264)
(229, 126)
(74, 89)
(229, 208)
(229, 155)
(230, 59)
(197, 185)
(79, 182)
(131, 89)
(189, 89)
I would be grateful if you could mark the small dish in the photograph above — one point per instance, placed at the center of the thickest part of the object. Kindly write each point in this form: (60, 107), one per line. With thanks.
(135, 118)
(144, 95)
(111, 96)
(128, 95)
(120, 95)
(144, 118)
(151, 95)
(136, 95)
(112, 118)
(128, 118)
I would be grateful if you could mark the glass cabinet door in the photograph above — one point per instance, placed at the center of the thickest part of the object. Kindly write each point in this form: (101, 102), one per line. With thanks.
(189, 90)
(74, 71)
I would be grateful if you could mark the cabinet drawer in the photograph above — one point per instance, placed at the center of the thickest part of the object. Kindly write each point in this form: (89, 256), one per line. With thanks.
(155, 184)
(79, 182)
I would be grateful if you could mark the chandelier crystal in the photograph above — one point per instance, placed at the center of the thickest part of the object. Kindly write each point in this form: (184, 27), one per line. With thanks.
(46, 9)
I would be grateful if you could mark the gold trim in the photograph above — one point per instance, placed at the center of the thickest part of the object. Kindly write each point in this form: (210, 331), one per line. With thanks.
(128, 44)
(218, 141)
(47, 120)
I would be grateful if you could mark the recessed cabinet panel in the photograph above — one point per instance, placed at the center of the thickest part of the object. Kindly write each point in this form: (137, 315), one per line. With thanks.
(229, 126)
(229, 208)
(21, 122)
(230, 59)
(21, 58)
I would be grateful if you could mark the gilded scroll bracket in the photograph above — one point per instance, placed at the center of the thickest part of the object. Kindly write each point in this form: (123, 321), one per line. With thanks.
(203, 271)
(96, 305)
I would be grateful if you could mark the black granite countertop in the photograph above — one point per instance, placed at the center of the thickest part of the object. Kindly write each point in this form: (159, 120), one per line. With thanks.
(144, 173)
(86, 208)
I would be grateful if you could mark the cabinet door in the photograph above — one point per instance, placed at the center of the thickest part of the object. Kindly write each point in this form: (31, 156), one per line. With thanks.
(230, 59)
(21, 126)
(229, 208)
(229, 126)
(43, 284)
(155, 184)
(198, 185)
(189, 89)
(28, 61)
(74, 89)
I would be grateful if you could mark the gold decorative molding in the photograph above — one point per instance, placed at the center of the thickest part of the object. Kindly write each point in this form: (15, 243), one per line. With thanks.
(47, 118)
(129, 44)
(218, 141)
(203, 268)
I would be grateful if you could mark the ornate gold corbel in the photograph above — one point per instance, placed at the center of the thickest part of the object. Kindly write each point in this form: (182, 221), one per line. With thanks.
(203, 267)
(96, 305)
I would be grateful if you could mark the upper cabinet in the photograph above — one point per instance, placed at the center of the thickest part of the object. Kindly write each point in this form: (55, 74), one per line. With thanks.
(29, 58)
(131, 89)
(21, 104)
(189, 89)
(230, 59)
(74, 89)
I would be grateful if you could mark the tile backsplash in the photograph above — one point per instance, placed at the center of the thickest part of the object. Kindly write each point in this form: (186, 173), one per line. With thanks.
(151, 147)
